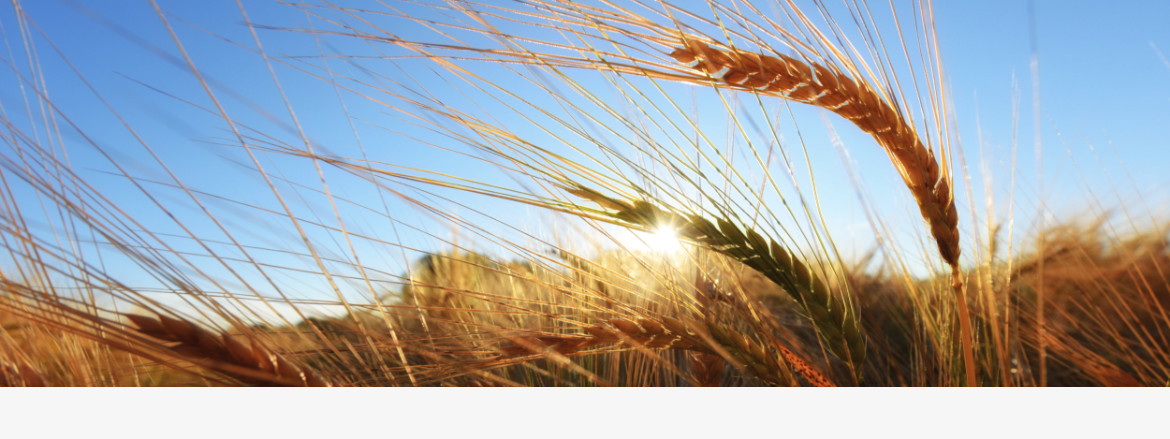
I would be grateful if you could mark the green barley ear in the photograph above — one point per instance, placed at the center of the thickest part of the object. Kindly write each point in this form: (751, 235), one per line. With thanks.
(829, 313)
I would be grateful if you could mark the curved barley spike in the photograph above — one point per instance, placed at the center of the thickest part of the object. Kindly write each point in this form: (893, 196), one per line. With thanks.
(833, 90)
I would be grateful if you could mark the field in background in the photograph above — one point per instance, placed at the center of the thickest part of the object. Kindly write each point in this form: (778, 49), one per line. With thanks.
(554, 194)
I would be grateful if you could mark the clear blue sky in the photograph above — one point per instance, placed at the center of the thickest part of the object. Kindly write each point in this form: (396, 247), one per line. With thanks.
(1105, 104)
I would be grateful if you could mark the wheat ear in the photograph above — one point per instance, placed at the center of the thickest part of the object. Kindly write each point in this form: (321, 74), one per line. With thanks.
(840, 328)
(249, 363)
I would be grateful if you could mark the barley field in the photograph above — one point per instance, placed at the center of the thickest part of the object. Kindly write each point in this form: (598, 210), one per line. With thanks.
(546, 193)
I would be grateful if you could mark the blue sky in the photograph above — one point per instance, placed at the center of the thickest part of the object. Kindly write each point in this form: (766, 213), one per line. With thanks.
(1104, 89)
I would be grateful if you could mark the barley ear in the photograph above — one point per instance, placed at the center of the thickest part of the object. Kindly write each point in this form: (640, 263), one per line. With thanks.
(840, 327)
(224, 354)
(829, 88)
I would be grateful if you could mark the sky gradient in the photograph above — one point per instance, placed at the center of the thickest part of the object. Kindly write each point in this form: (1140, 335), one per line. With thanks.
(1104, 89)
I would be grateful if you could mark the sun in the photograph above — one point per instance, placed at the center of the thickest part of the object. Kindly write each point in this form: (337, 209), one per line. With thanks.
(664, 240)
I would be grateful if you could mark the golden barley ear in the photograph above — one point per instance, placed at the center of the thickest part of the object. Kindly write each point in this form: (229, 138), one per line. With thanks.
(707, 368)
(708, 296)
(668, 333)
(223, 353)
(829, 88)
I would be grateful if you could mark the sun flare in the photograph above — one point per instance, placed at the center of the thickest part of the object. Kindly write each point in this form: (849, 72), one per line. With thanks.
(664, 240)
